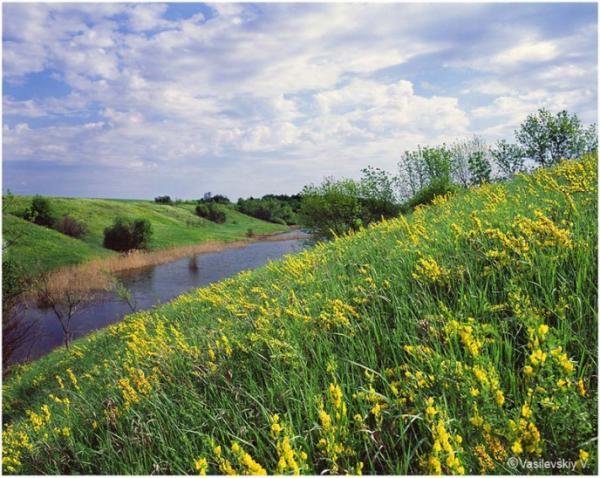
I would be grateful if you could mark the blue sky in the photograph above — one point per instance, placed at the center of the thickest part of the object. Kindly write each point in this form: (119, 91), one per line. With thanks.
(137, 100)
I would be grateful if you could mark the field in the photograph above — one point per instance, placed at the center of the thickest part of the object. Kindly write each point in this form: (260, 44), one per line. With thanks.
(446, 341)
(40, 248)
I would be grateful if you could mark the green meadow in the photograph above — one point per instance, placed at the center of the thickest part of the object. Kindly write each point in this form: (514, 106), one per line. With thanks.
(40, 248)
(445, 341)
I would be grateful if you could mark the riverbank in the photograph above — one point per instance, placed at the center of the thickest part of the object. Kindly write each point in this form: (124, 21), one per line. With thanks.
(99, 274)
(37, 249)
(146, 287)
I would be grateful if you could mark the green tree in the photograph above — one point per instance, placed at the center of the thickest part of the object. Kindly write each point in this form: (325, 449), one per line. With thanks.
(479, 167)
(547, 138)
(461, 153)
(508, 157)
(331, 209)
(438, 162)
(377, 190)
(41, 211)
(419, 168)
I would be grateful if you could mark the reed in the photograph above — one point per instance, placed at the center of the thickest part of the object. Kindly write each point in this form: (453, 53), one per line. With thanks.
(98, 274)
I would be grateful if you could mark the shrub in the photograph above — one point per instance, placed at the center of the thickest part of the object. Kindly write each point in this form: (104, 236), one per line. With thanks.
(211, 212)
(140, 234)
(40, 212)
(378, 195)
(163, 200)
(220, 199)
(331, 209)
(437, 187)
(269, 208)
(125, 235)
(71, 227)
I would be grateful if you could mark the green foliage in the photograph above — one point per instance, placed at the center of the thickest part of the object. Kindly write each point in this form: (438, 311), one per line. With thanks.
(125, 235)
(217, 199)
(13, 278)
(377, 190)
(41, 212)
(163, 200)
(437, 187)
(337, 207)
(331, 209)
(479, 167)
(547, 138)
(461, 158)
(509, 158)
(211, 212)
(419, 168)
(267, 209)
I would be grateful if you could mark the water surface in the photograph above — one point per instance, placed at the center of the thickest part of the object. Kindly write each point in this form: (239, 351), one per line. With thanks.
(149, 286)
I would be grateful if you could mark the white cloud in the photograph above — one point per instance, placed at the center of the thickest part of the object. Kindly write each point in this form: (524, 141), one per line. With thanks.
(528, 51)
(254, 86)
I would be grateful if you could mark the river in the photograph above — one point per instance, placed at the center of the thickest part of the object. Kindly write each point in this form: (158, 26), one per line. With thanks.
(149, 287)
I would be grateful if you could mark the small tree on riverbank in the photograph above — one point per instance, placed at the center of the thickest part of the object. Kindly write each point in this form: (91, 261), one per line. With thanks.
(66, 300)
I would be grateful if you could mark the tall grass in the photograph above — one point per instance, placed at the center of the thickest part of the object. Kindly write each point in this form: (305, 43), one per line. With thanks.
(444, 342)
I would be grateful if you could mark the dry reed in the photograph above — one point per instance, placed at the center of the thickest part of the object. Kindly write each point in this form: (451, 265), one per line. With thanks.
(99, 274)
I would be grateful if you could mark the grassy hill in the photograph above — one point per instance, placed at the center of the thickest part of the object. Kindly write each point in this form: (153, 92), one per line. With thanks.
(443, 342)
(42, 248)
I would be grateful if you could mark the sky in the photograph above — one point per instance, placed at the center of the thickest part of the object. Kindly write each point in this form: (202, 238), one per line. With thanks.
(140, 100)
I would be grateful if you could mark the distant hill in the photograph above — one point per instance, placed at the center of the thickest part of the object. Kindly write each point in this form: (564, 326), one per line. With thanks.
(39, 248)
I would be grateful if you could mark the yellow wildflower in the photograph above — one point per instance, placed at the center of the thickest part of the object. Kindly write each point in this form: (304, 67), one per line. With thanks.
(201, 466)
(517, 448)
(581, 388)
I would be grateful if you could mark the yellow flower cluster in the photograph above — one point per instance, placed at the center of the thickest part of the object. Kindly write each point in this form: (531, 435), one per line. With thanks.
(445, 451)
(14, 443)
(428, 271)
(201, 466)
(334, 433)
(289, 459)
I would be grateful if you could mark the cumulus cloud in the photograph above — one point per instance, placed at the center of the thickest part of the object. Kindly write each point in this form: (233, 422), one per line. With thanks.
(273, 95)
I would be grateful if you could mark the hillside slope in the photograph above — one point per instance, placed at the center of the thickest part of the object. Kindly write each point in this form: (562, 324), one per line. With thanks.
(444, 342)
(172, 226)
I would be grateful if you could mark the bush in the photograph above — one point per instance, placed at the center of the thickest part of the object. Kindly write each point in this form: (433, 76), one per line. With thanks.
(217, 199)
(40, 212)
(269, 208)
(163, 200)
(220, 199)
(211, 212)
(331, 209)
(71, 227)
(125, 235)
(437, 187)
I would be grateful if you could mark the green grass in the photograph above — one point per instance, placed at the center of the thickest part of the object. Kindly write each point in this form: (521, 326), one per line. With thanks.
(44, 249)
(446, 341)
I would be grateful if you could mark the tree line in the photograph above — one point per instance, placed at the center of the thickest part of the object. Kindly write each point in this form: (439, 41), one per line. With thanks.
(543, 139)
